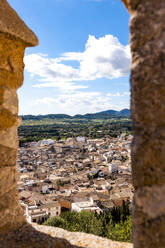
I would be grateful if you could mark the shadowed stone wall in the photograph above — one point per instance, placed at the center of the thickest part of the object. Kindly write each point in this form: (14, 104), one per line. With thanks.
(14, 38)
(147, 28)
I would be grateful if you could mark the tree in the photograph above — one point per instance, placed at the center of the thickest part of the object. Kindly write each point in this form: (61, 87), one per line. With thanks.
(121, 231)
(115, 224)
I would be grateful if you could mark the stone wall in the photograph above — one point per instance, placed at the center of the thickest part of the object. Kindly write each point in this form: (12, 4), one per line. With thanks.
(38, 236)
(148, 109)
(14, 38)
(147, 40)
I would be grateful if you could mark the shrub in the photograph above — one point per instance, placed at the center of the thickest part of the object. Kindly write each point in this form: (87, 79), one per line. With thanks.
(121, 231)
(55, 221)
(115, 224)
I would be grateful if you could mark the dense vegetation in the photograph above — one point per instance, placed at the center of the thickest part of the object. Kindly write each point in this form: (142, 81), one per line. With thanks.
(115, 224)
(33, 130)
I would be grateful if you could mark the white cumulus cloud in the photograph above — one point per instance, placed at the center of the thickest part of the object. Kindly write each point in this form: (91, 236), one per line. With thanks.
(104, 57)
(77, 102)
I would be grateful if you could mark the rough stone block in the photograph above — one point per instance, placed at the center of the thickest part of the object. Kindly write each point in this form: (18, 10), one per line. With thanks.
(11, 61)
(151, 200)
(10, 100)
(148, 233)
(7, 119)
(148, 158)
(8, 156)
(8, 179)
(11, 214)
(9, 138)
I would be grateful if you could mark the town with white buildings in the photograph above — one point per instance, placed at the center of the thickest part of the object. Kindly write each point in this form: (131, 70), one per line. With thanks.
(74, 175)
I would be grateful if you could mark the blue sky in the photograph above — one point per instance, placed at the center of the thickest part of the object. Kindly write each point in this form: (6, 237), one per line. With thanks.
(82, 62)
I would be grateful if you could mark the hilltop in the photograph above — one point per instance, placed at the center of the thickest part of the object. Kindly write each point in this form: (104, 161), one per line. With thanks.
(124, 113)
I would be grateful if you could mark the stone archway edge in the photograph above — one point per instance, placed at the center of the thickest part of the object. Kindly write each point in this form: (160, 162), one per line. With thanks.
(15, 36)
(147, 42)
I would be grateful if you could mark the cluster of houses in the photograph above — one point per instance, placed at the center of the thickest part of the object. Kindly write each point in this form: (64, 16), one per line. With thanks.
(74, 175)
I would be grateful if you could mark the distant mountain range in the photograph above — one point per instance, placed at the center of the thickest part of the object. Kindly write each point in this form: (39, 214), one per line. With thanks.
(124, 113)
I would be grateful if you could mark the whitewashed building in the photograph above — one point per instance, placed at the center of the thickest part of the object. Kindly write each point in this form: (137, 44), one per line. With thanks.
(81, 139)
(113, 168)
(84, 204)
(46, 142)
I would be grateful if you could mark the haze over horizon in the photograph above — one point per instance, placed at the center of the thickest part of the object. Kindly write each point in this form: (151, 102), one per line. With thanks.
(82, 63)
(80, 114)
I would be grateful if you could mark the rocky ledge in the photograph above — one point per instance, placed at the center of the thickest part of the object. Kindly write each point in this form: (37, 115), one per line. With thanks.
(38, 236)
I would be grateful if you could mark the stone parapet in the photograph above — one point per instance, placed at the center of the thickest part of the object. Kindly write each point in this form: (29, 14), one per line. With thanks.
(38, 236)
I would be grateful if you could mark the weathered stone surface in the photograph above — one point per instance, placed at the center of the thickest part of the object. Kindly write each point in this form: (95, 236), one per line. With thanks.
(8, 156)
(81, 239)
(148, 91)
(7, 119)
(148, 158)
(12, 141)
(2, 90)
(148, 113)
(8, 179)
(148, 232)
(11, 62)
(131, 5)
(14, 38)
(37, 236)
(11, 214)
(151, 200)
(10, 23)
(10, 100)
